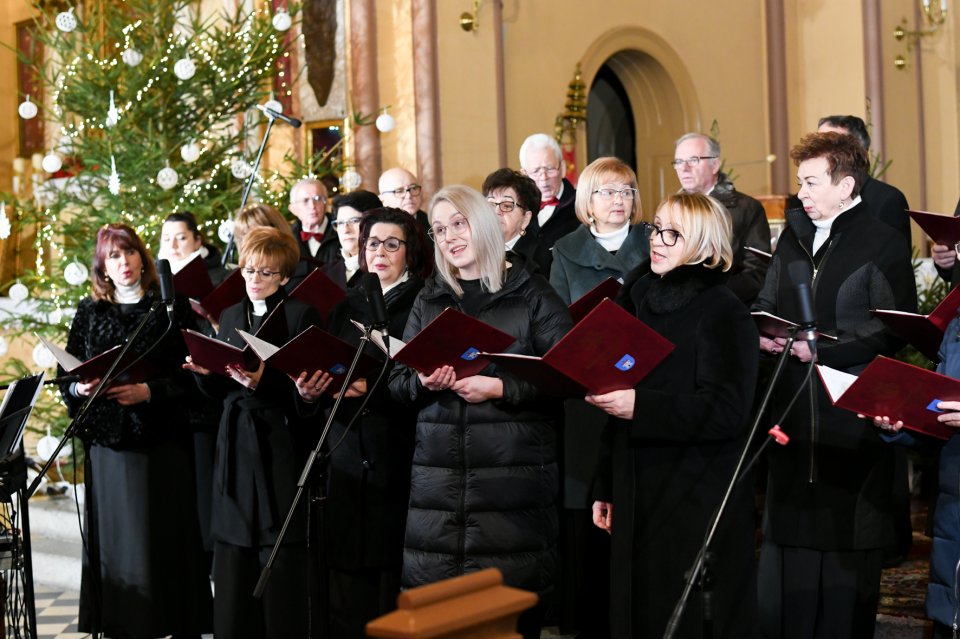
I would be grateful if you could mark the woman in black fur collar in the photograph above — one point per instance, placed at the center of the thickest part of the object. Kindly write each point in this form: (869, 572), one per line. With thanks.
(676, 436)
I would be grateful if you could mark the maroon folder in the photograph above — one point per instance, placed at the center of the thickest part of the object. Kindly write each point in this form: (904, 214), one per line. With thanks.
(608, 350)
(319, 291)
(229, 292)
(925, 332)
(193, 280)
(452, 339)
(310, 351)
(771, 325)
(895, 389)
(96, 367)
(582, 307)
(214, 355)
(943, 229)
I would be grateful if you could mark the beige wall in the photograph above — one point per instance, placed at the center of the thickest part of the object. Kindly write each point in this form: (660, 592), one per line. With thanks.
(12, 12)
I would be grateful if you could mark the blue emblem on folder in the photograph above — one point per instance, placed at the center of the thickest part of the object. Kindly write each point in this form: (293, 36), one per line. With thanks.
(626, 363)
(470, 354)
(338, 369)
(933, 406)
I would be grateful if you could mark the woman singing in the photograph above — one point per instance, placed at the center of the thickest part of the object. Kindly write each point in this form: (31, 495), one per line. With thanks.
(143, 573)
(677, 436)
(485, 480)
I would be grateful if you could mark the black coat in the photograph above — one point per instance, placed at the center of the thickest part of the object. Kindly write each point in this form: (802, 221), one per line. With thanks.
(485, 480)
(327, 252)
(563, 221)
(672, 461)
(262, 441)
(830, 488)
(537, 257)
(368, 484)
(750, 228)
(888, 204)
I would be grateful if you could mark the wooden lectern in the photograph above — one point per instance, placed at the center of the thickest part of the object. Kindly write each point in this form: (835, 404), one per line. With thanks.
(475, 606)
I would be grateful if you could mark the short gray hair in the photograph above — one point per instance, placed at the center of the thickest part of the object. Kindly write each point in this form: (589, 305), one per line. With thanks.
(713, 147)
(540, 141)
(304, 181)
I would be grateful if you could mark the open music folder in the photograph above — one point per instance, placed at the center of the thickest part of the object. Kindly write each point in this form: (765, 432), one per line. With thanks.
(96, 367)
(215, 356)
(770, 325)
(193, 279)
(319, 291)
(924, 332)
(451, 339)
(894, 389)
(942, 229)
(608, 350)
(608, 288)
(230, 291)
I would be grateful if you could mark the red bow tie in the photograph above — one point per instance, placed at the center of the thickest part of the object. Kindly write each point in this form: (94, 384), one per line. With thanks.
(306, 235)
(551, 202)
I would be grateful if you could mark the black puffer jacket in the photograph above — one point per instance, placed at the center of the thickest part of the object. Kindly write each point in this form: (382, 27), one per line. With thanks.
(485, 478)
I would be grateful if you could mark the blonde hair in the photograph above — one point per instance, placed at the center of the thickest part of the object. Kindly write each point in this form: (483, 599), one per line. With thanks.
(605, 171)
(257, 215)
(269, 245)
(485, 235)
(705, 227)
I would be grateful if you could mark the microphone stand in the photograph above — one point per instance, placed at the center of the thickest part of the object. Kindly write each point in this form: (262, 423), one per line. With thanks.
(700, 567)
(308, 467)
(249, 185)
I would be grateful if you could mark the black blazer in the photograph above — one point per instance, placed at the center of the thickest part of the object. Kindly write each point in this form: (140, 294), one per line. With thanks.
(562, 222)
(328, 251)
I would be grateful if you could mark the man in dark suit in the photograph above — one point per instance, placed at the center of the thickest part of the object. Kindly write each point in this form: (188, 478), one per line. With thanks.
(400, 189)
(887, 203)
(318, 243)
(542, 160)
(945, 259)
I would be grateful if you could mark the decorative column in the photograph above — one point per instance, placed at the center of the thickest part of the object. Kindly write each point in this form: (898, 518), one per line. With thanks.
(777, 98)
(426, 76)
(873, 73)
(364, 90)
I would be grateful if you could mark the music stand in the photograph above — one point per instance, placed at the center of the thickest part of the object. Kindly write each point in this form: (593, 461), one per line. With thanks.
(18, 403)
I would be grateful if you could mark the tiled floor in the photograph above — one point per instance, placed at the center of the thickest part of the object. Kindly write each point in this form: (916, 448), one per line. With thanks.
(57, 614)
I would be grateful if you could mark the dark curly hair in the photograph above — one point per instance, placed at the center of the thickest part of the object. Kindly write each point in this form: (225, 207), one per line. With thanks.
(418, 248)
(528, 194)
(845, 156)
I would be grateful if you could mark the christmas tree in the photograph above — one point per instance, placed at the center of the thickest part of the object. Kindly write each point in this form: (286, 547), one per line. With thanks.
(151, 107)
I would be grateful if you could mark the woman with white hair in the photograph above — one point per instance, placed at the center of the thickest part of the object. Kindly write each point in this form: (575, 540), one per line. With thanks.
(485, 479)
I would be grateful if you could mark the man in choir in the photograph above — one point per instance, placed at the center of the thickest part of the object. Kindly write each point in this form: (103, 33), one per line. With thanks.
(884, 201)
(696, 158)
(542, 160)
(945, 258)
(318, 242)
(400, 189)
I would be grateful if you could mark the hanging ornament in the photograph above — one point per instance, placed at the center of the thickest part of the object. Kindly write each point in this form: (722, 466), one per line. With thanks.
(4, 222)
(27, 109)
(350, 180)
(3, 346)
(184, 68)
(52, 163)
(113, 116)
(66, 21)
(114, 182)
(55, 316)
(282, 20)
(167, 178)
(18, 292)
(273, 104)
(76, 273)
(225, 231)
(240, 169)
(190, 152)
(131, 57)
(385, 122)
(47, 446)
(42, 357)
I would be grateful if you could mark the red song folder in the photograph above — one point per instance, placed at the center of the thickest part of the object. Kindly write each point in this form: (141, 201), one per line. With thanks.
(215, 356)
(230, 291)
(942, 229)
(310, 351)
(193, 279)
(96, 367)
(319, 291)
(608, 350)
(925, 332)
(894, 389)
(771, 325)
(452, 339)
(607, 288)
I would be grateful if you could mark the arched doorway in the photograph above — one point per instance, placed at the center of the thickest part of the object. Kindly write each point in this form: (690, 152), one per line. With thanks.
(641, 100)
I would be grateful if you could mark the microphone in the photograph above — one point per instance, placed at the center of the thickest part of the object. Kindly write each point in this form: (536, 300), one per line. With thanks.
(374, 292)
(166, 286)
(270, 113)
(800, 277)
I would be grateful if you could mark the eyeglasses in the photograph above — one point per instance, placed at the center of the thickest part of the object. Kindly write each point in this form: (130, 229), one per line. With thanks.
(307, 201)
(353, 221)
(458, 227)
(609, 194)
(549, 171)
(413, 189)
(692, 161)
(669, 237)
(265, 274)
(392, 244)
(503, 206)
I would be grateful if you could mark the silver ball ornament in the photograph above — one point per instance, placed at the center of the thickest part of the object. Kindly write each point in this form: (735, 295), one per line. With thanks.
(66, 21)
(190, 152)
(282, 20)
(52, 163)
(76, 274)
(18, 292)
(167, 178)
(184, 68)
(385, 122)
(42, 357)
(131, 57)
(27, 109)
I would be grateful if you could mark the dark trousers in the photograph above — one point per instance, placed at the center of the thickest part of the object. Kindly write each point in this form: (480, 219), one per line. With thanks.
(358, 597)
(812, 594)
(283, 611)
(585, 576)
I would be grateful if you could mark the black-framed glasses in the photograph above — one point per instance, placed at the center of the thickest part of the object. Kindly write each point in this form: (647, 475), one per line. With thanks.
(669, 237)
(549, 171)
(264, 273)
(458, 227)
(691, 161)
(608, 193)
(313, 199)
(503, 206)
(353, 221)
(391, 244)
(413, 189)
